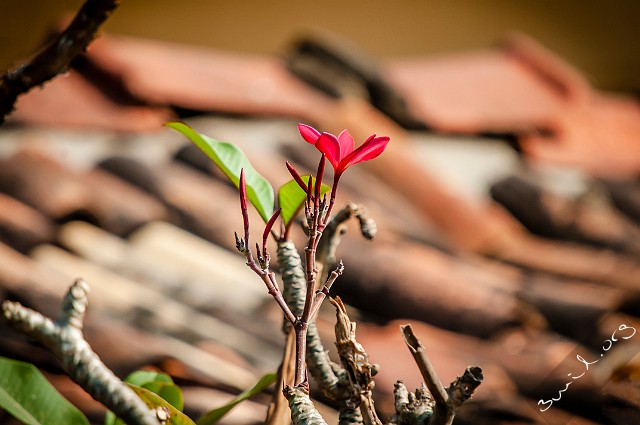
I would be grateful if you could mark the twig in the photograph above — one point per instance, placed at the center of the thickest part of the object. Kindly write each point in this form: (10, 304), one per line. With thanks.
(426, 368)
(445, 401)
(322, 294)
(65, 339)
(244, 247)
(294, 285)
(332, 235)
(56, 57)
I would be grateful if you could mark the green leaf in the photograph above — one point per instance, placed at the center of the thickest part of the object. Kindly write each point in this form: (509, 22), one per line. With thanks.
(154, 401)
(170, 392)
(216, 414)
(156, 382)
(27, 395)
(291, 197)
(142, 377)
(231, 160)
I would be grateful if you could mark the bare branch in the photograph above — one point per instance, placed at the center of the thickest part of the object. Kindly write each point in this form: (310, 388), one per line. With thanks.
(426, 368)
(56, 57)
(445, 401)
(65, 339)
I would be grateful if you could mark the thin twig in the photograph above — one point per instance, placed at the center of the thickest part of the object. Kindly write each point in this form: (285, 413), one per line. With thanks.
(56, 57)
(65, 339)
(268, 277)
(322, 294)
(426, 368)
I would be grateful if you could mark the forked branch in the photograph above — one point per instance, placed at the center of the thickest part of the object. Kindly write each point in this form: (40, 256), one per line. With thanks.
(445, 401)
(65, 339)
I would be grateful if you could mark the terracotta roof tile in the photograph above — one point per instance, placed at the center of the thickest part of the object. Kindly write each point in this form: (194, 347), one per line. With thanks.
(203, 79)
(73, 101)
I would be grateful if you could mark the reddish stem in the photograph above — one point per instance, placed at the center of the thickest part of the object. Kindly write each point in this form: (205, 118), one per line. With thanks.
(296, 177)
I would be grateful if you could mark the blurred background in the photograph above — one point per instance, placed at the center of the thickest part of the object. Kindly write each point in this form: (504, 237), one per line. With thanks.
(507, 203)
(596, 37)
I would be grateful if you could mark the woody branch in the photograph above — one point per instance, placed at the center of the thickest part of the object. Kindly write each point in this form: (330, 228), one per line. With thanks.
(56, 57)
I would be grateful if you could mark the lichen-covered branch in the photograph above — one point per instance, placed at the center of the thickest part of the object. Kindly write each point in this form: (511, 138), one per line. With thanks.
(57, 56)
(294, 284)
(65, 339)
(412, 408)
(332, 235)
(442, 407)
(294, 291)
(355, 361)
(303, 412)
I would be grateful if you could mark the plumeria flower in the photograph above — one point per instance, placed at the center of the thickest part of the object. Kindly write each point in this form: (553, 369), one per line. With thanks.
(340, 150)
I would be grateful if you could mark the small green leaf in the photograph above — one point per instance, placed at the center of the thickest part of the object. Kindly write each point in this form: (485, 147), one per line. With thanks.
(142, 377)
(231, 160)
(30, 398)
(156, 382)
(291, 197)
(168, 391)
(216, 414)
(154, 401)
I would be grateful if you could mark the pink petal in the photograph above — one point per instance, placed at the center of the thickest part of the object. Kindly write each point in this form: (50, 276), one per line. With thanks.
(308, 133)
(346, 143)
(370, 149)
(328, 144)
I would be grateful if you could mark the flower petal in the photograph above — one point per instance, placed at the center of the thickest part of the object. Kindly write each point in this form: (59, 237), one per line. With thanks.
(346, 144)
(308, 133)
(328, 144)
(370, 149)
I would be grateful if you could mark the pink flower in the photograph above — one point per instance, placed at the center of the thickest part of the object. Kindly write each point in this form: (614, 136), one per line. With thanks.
(340, 150)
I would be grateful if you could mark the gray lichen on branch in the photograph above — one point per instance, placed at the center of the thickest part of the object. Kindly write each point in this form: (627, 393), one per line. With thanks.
(303, 412)
(65, 339)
